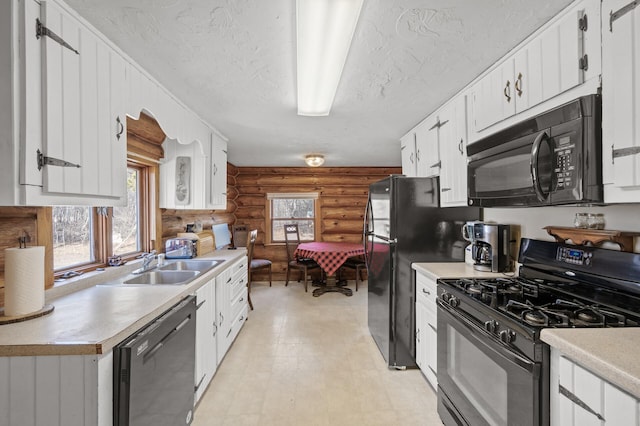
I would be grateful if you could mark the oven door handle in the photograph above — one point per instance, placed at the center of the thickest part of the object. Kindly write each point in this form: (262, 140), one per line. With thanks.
(487, 340)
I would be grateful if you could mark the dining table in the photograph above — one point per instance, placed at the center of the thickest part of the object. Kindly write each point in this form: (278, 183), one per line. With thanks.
(330, 256)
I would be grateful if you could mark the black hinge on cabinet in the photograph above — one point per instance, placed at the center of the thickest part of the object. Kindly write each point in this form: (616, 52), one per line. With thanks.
(583, 23)
(583, 63)
(42, 31)
(620, 12)
(624, 152)
(439, 124)
(49, 161)
(580, 403)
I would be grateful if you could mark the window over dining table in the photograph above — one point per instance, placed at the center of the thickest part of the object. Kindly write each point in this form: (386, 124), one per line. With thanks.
(284, 208)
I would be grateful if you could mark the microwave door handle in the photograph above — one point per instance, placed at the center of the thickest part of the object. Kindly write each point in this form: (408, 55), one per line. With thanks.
(534, 165)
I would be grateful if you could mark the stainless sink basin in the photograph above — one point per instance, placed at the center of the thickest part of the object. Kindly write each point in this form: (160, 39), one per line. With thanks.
(190, 265)
(163, 277)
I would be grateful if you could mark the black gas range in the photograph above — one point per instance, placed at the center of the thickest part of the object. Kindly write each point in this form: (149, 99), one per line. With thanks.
(492, 366)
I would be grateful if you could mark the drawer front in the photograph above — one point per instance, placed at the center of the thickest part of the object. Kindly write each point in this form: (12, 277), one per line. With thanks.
(239, 303)
(238, 284)
(426, 293)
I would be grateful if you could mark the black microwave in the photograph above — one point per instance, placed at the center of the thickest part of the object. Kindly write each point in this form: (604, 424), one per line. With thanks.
(550, 159)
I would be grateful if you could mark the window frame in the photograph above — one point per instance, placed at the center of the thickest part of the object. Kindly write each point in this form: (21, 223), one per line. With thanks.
(315, 196)
(102, 220)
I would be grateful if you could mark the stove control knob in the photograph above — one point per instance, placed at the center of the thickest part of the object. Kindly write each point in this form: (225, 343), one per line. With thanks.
(507, 336)
(491, 326)
(453, 301)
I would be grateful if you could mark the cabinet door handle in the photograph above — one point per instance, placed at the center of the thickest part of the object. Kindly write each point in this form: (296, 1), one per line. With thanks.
(580, 403)
(519, 84)
(418, 155)
(433, 328)
(411, 158)
(121, 129)
(215, 169)
(445, 189)
(418, 335)
(461, 146)
(507, 91)
(221, 318)
(424, 290)
(215, 329)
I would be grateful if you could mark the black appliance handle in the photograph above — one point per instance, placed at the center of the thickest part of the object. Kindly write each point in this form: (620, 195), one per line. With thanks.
(534, 166)
(146, 357)
(487, 340)
(366, 233)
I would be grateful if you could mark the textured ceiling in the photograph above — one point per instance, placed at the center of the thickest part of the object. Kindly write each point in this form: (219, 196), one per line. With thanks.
(233, 62)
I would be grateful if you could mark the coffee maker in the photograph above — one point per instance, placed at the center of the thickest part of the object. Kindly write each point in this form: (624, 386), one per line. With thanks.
(490, 246)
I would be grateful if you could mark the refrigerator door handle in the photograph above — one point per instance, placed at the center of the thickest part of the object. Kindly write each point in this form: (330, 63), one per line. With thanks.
(366, 232)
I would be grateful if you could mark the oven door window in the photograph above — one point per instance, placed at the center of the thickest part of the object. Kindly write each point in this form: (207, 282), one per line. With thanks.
(486, 382)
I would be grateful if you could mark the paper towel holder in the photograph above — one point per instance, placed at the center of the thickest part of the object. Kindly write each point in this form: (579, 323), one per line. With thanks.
(46, 309)
(24, 239)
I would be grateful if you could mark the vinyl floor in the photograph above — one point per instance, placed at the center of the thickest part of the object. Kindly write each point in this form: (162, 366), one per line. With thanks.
(304, 360)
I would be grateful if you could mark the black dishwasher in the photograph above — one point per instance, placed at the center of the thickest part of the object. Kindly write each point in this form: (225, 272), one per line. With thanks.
(154, 371)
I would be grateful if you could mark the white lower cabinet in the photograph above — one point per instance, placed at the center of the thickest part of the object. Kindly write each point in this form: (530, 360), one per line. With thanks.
(579, 397)
(426, 328)
(231, 305)
(206, 339)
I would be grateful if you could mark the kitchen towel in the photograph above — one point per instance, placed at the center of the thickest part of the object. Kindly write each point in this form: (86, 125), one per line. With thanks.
(23, 280)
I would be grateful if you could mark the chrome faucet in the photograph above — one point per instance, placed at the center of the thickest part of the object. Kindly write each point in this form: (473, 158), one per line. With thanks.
(146, 261)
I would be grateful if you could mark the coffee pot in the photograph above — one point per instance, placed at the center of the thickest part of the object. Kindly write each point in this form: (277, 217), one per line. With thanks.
(490, 246)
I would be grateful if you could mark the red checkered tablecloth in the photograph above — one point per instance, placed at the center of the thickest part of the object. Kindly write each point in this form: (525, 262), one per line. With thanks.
(330, 256)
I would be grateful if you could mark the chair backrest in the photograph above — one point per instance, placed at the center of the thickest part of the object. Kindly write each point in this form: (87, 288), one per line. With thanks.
(292, 238)
(251, 242)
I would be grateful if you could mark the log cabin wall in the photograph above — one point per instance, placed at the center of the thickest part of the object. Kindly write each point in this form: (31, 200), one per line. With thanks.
(175, 221)
(343, 196)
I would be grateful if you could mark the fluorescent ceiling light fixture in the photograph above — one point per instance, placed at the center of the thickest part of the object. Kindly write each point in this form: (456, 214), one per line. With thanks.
(324, 32)
(314, 160)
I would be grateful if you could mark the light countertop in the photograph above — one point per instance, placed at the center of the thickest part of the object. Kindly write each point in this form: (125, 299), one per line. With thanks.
(454, 270)
(611, 353)
(92, 319)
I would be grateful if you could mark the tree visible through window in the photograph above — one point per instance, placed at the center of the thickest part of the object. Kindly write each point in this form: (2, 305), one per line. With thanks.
(293, 208)
(72, 236)
(125, 233)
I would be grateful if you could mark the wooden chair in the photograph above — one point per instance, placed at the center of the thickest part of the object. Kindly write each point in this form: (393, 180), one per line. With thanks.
(254, 264)
(358, 264)
(292, 239)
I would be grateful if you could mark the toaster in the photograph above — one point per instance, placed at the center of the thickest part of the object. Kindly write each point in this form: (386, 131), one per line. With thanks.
(180, 248)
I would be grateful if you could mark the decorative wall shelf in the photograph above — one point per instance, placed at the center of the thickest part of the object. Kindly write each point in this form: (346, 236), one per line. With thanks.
(593, 237)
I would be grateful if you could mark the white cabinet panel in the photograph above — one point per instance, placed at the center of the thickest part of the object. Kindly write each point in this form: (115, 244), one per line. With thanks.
(82, 108)
(408, 154)
(620, 103)
(217, 169)
(182, 175)
(580, 397)
(206, 356)
(426, 326)
(452, 142)
(427, 149)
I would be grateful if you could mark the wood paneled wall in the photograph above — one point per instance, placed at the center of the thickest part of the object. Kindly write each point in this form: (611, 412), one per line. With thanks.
(343, 197)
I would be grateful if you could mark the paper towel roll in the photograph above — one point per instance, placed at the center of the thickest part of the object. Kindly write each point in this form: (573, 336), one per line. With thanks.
(23, 280)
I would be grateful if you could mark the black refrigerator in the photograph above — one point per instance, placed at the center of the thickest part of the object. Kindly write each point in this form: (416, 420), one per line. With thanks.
(404, 223)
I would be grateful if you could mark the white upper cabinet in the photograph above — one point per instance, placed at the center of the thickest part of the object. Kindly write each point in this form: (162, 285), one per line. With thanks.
(561, 56)
(408, 154)
(427, 149)
(620, 101)
(453, 142)
(68, 91)
(83, 119)
(217, 193)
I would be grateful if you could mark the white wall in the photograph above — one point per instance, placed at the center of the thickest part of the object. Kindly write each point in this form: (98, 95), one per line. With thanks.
(622, 217)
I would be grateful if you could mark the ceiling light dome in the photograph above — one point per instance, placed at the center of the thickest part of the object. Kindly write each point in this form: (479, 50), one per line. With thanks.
(314, 160)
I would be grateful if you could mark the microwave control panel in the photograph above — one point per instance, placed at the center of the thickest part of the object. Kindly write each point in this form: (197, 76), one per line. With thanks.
(565, 162)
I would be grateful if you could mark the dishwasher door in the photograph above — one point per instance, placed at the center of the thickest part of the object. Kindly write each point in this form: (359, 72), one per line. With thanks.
(154, 370)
